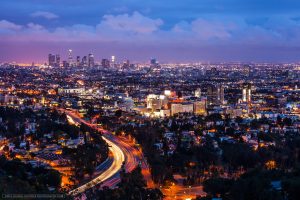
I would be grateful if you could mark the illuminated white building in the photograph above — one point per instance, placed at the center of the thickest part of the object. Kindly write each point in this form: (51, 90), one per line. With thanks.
(181, 108)
(246, 93)
(156, 102)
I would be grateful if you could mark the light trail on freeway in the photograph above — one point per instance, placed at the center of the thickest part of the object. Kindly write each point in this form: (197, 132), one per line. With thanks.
(117, 152)
(119, 158)
(123, 152)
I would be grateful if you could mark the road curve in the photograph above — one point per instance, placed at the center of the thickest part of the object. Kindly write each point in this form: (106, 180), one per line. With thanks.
(122, 150)
(119, 158)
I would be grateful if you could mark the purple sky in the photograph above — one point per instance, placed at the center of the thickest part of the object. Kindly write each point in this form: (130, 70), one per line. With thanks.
(191, 30)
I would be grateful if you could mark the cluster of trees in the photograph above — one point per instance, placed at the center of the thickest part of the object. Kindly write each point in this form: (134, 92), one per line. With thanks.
(147, 136)
(230, 158)
(51, 121)
(10, 117)
(86, 157)
(47, 121)
(50, 126)
(17, 177)
(256, 184)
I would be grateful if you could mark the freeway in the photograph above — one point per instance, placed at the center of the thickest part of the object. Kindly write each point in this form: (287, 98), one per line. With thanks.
(117, 154)
(134, 157)
(119, 158)
(123, 151)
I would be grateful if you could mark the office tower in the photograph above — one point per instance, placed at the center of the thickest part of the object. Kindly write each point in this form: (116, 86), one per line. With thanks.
(105, 63)
(65, 64)
(78, 61)
(153, 62)
(51, 60)
(57, 64)
(156, 102)
(246, 93)
(215, 95)
(198, 93)
(113, 61)
(126, 64)
(70, 57)
(84, 61)
(91, 62)
(153, 102)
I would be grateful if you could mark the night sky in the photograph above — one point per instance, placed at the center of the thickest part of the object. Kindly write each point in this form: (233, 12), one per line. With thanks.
(170, 30)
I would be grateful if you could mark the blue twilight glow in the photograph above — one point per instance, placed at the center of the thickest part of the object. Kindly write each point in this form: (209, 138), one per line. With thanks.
(170, 30)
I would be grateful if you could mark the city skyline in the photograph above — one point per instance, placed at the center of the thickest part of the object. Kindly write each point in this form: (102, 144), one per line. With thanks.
(150, 100)
(172, 31)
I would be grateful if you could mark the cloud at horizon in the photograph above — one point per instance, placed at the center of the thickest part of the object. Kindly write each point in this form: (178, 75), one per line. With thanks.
(138, 33)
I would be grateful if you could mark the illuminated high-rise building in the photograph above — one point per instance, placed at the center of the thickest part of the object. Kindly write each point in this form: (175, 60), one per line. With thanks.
(65, 64)
(91, 62)
(57, 60)
(153, 62)
(51, 60)
(246, 93)
(126, 64)
(113, 61)
(84, 61)
(70, 57)
(105, 63)
(156, 102)
(78, 61)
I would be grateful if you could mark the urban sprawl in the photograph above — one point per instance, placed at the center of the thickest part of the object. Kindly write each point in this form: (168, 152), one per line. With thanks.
(88, 128)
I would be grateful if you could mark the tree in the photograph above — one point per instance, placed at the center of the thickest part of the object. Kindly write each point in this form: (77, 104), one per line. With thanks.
(236, 155)
(239, 119)
(17, 177)
(27, 146)
(292, 187)
(217, 186)
(118, 113)
(53, 178)
(214, 117)
(287, 121)
(255, 185)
